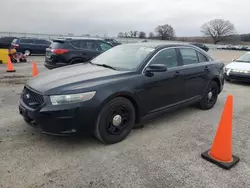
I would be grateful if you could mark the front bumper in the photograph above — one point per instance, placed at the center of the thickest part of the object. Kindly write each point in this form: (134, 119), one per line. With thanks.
(238, 76)
(61, 119)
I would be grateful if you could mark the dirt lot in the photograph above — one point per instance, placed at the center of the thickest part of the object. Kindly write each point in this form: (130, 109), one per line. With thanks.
(165, 153)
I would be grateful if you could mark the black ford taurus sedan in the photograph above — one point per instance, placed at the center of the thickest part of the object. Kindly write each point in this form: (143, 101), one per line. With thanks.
(122, 86)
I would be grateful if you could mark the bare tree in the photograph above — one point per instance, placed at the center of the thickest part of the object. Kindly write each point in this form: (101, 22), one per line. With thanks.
(120, 35)
(126, 35)
(135, 34)
(142, 35)
(151, 35)
(166, 32)
(218, 29)
(131, 33)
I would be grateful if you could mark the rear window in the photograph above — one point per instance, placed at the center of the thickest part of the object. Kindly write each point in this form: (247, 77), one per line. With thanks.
(15, 41)
(60, 45)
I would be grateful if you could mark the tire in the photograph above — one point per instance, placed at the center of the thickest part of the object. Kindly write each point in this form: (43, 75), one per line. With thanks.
(75, 61)
(28, 52)
(209, 101)
(107, 129)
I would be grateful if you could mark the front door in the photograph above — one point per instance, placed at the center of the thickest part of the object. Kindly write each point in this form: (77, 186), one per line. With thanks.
(164, 89)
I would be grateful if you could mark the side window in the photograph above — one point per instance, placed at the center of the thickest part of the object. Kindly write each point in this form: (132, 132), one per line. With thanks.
(92, 45)
(105, 46)
(202, 58)
(167, 57)
(39, 41)
(76, 43)
(189, 56)
(26, 41)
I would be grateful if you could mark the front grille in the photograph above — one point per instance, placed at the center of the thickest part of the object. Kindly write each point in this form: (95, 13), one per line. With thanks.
(32, 99)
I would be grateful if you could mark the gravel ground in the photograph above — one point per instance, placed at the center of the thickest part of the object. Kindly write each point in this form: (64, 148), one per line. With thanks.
(165, 153)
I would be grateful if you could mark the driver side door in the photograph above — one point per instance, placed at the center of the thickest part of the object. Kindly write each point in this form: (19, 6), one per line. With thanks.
(163, 89)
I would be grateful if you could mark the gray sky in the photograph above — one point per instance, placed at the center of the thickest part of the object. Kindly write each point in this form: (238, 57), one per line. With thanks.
(111, 16)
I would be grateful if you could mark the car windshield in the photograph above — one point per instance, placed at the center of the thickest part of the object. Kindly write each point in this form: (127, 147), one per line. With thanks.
(123, 57)
(244, 58)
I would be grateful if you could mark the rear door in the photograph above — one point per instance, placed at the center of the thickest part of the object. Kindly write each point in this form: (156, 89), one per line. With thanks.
(39, 46)
(85, 49)
(195, 72)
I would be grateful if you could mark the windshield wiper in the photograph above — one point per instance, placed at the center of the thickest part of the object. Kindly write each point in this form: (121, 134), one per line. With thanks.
(242, 61)
(102, 65)
(105, 65)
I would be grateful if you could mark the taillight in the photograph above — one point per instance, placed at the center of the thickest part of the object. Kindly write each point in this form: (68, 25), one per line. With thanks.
(59, 51)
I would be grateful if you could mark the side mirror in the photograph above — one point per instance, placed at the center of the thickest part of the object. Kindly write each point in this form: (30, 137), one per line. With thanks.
(156, 68)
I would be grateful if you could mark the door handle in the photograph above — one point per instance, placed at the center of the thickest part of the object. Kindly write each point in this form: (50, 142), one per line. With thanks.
(176, 74)
(207, 69)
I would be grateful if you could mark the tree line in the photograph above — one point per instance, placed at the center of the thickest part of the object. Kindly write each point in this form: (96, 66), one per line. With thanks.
(217, 30)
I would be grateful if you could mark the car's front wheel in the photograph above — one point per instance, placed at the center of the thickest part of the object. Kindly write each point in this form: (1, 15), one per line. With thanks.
(115, 121)
(210, 96)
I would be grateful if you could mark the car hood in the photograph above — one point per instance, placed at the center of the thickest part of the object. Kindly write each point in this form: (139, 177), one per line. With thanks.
(239, 66)
(75, 77)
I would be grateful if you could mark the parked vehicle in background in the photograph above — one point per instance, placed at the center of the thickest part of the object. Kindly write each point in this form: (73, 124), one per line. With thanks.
(244, 48)
(30, 45)
(219, 47)
(239, 69)
(5, 42)
(121, 86)
(231, 47)
(202, 46)
(112, 41)
(70, 51)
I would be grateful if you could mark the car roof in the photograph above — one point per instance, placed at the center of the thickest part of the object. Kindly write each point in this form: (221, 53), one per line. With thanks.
(157, 45)
(76, 38)
(7, 37)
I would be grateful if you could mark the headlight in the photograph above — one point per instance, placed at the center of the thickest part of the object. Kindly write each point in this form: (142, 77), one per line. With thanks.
(71, 98)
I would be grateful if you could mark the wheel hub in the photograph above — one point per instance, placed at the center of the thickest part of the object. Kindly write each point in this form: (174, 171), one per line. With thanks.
(210, 95)
(117, 120)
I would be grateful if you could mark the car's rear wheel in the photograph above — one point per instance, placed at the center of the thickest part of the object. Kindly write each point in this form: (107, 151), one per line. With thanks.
(115, 121)
(210, 96)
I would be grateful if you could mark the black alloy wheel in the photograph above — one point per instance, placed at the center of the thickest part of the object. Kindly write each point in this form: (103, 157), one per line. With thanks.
(115, 121)
(210, 96)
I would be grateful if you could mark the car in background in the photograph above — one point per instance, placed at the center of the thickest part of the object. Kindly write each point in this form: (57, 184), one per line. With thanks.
(243, 48)
(202, 46)
(5, 42)
(120, 87)
(219, 47)
(112, 41)
(239, 69)
(68, 51)
(30, 45)
(231, 47)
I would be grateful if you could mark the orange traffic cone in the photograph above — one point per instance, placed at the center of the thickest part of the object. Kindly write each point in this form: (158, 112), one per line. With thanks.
(221, 150)
(10, 67)
(34, 69)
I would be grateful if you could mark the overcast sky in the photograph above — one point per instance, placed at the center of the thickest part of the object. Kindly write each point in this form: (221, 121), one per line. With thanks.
(111, 16)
